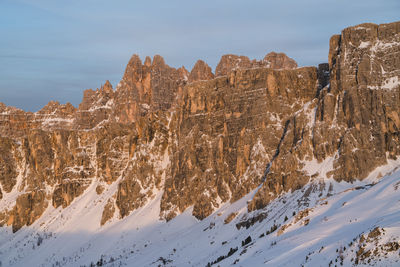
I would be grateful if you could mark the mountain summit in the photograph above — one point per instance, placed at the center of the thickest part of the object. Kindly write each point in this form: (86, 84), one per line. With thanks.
(261, 162)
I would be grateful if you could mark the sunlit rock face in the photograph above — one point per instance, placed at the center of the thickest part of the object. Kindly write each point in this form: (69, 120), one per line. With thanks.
(203, 139)
(228, 130)
(355, 123)
(271, 60)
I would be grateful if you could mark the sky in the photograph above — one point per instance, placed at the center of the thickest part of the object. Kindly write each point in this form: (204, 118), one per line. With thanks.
(53, 50)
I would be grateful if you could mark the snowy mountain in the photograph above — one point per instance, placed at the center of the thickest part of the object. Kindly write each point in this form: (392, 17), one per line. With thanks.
(325, 222)
(261, 163)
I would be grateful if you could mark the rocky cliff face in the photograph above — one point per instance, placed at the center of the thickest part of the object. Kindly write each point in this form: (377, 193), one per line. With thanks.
(205, 139)
(272, 60)
(354, 125)
(227, 130)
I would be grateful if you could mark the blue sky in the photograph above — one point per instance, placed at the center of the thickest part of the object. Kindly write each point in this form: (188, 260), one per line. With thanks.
(53, 50)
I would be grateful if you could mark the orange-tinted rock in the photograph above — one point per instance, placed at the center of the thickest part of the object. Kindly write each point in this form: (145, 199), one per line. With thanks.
(352, 116)
(232, 62)
(108, 212)
(227, 135)
(201, 140)
(279, 61)
(65, 193)
(8, 166)
(272, 60)
(146, 88)
(28, 208)
(201, 72)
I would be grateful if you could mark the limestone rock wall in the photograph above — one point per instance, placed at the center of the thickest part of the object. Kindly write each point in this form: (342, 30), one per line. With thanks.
(228, 130)
(271, 60)
(362, 101)
(201, 139)
(355, 124)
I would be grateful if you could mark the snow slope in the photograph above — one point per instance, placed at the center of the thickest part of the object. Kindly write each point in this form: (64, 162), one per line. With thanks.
(325, 222)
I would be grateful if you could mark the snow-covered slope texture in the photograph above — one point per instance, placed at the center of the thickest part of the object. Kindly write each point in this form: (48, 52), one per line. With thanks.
(325, 223)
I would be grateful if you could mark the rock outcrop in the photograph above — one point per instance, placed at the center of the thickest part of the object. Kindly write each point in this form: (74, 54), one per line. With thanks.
(199, 139)
(279, 61)
(272, 60)
(355, 123)
(201, 72)
(228, 130)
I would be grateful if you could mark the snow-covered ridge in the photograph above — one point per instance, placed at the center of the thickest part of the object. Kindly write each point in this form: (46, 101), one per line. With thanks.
(324, 222)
